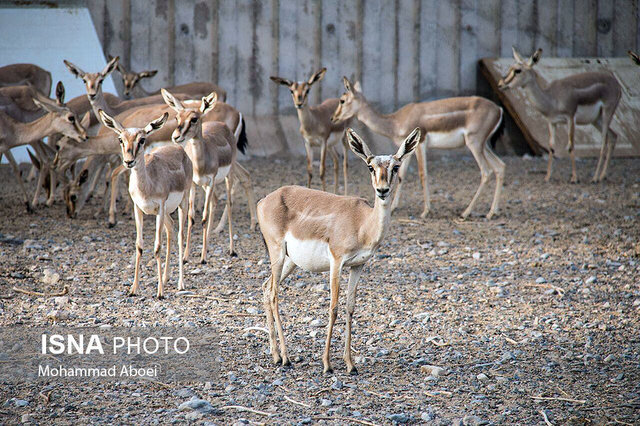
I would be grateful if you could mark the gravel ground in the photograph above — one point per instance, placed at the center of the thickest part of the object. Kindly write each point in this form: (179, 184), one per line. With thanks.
(543, 301)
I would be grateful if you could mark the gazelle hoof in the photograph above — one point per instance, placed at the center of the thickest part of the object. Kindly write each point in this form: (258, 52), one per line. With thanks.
(28, 206)
(574, 180)
(203, 261)
(286, 362)
(490, 215)
(353, 371)
(233, 254)
(327, 370)
(424, 213)
(160, 296)
(111, 224)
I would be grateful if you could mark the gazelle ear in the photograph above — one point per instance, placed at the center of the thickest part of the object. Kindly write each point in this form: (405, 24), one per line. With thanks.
(357, 87)
(347, 84)
(60, 93)
(43, 105)
(147, 74)
(409, 145)
(86, 120)
(208, 103)
(74, 69)
(110, 122)
(282, 81)
(34, 159)
(156, 124)
(358, 146)
(171, 100)
(317, 76)
(535, 57)
(634, 57)
(111, 65)
(516, 55)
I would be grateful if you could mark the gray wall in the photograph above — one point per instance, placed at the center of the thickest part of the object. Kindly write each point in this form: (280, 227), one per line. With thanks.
(401, 50)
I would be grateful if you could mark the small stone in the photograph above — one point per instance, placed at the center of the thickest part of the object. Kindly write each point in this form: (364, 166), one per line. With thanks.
(482, 377)
(208, 386)
(317, 323)
(196, 403)
(278, 382)
(50, 276)
(326, 402)
(196, 271)
(476, 255)
(321, 288)
(20, 402)
(592, 279)
(433, 370)
(399, 418)
(540, 280)
(610, 357)
(26, 418)
(473, 421)
(253, 311)
(337, 385)
(185, 393)
(184, 293)
(194, 415)
(61, 300)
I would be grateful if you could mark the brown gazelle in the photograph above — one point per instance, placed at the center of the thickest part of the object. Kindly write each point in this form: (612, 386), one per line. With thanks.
(318, 232)
(59, 119)
(584, 98)
(26, 74)
(446, 124)
(160, 182)
(316, 127)
(212, 149)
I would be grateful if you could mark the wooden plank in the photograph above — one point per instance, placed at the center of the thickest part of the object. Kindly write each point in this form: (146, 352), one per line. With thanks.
(161, 34)
(604, 30)
(184, 60)
(347, 39)
(448, 48)
(287, 66)
(332, 85)
(306, 62)
(228, 55)
(203, 36)
(584, 25)
(140, 40)
(468, 47)
(407, 76)
(117, 34)
(509, 29)
(244, 34)
(625, 22)
(564, 46)
(547, 30)
(527, 27)
(488, 28)
(372, 55)
(261, 61)
(428, 43)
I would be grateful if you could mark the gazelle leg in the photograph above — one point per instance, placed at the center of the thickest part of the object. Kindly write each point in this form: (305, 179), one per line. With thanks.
(611, 144)
(115, 178)
(485, 171)
(228, 181)
(53, 183)
(156, 248)
(345, 161)
(208, 192)
(244, 177)
(572, 149)
(168, 226)
(184, 205)
(335, 268)
(421, 156)
(139, 245)
(277, 256)
(401, 174)
(498, 167)
(190, 220)
(16, 172)
(354, 276)
(307, 147)
(323, 158)
(336, 168)
(552, 141)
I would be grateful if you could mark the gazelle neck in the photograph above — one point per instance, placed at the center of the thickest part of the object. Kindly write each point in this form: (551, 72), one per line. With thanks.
(539, 94)
(380, 123)
(305, 116)
(378, 221)
(99, 103)
(28, 132)
(139, 178)
(139, 92)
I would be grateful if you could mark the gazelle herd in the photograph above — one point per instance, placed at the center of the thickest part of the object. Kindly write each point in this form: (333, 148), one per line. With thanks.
(172, 141)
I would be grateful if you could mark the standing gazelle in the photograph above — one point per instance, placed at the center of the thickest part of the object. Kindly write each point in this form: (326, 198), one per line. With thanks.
(584, 98)
(316, 127)
(159, 183)
(446, 124)
(318, 232)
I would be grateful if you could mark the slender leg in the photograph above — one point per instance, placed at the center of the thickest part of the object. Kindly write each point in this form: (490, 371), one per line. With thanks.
(139, 246)
(552, 140)
(485, 171)
(16, 172)
(498, 167)
(115, 177)
(229, 183)
(53, 182)
(191, 220)
(336, 167)
(307, 147)
(276, 273)
(323, 158)
(334, 285)
(208, 191)
(244, 178)
(156, 248)
(354, 276)
(168, 226)
(345, 161)
(421, 156)
(401, 174)
(613, 138)
(42, 174)
(184, 205)
(572, 150)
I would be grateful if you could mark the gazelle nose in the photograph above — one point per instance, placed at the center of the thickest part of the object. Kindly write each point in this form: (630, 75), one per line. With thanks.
(129, 163)
(382, 191)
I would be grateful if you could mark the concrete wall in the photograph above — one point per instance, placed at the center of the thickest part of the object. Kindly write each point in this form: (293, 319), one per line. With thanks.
(401, 50)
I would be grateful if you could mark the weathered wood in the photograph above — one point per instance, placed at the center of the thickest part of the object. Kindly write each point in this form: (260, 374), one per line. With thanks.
(228, 51)
(547, 27)
(203, 35)
(161, 34)
(564, 46)
(527, 25)
(260, 65)
(428, 43)
(468, 47)
(371, 57)
(407, 75)
(448, 80)
(625, 29)
(244, 36)
(140, 39)
(347, 47)
(604, 30)
(331, 86)
(287, 66)
(184, 60)
(584, 28)
(509, 29)
(306, 25)
(488, 28)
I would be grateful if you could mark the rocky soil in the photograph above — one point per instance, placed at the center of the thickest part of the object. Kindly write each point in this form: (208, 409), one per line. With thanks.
(530, 318)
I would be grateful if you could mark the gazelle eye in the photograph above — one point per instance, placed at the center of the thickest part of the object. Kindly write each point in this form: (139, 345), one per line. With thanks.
(142, 141)
(341, 101)
(371, 169)
(517, 71)
(395, 169)
(71, 119)
(194, 119)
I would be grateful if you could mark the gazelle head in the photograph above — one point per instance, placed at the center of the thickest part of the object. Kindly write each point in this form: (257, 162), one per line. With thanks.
(299, 90)
(93, 80)
(69, 150)
(384, 168)
(132, 140)
(350, 101)
(634, 57)
(189, 119)
(520, 73)
(64, 120)
(130, 79)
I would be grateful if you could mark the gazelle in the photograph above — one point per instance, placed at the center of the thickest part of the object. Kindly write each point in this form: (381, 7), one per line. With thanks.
(132, 88)
(59, 119)
(584, 98)
(212, 150)
(316, 127)
(159, 184)
(25, 74)
(445, 124)
(321, 232)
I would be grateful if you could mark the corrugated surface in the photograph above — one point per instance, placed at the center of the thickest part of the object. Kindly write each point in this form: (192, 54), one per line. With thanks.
(588, 139)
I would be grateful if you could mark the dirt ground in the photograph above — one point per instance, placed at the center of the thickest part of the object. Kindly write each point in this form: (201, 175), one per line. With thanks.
(533, 314)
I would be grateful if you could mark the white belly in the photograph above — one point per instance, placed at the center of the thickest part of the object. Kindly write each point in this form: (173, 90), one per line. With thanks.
(151, 206)
(202, 180)
(445, 140)
(310, 255)
(222, 173)
(173, 201)
(587, 114)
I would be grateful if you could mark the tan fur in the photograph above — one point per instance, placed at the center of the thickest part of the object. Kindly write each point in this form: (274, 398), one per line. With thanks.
(560, 101)
(469, 121)
(23, 74)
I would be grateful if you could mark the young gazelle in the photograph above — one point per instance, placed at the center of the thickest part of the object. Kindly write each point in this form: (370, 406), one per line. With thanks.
(212, 149)
(318, 232)
(159, 184)
(446, 124)
(316, 127)
(585, 98)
